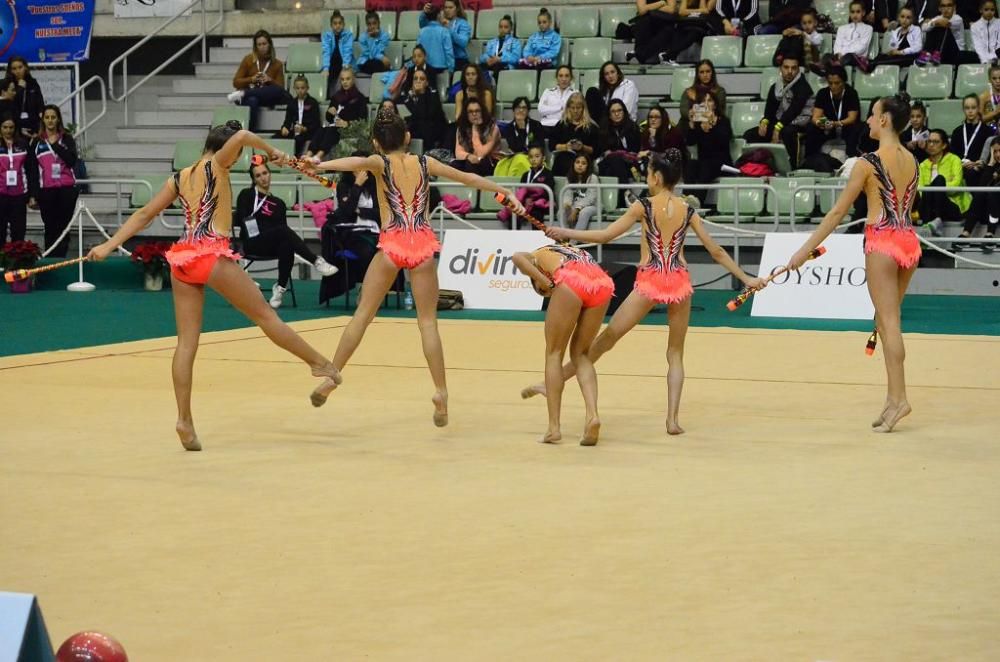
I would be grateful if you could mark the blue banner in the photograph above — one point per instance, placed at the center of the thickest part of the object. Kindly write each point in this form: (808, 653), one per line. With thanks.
(46, 30)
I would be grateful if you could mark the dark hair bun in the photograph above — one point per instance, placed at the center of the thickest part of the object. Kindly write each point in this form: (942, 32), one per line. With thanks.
(234, 125)
(674, 156)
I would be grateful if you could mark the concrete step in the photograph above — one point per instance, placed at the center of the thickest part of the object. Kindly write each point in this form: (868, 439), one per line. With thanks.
(201, 102)
(158, 134)
(218, 86)
(279, 42)
(215, 70)
(156, 118)
(134, 151)
(235, 55)
(126, 169)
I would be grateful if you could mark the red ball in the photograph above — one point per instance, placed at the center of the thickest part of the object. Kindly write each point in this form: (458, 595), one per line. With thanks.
(91, 647)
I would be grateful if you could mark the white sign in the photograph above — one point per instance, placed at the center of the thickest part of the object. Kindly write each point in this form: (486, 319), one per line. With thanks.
(57, 83)
(478, 263)
(833, 286)
(147, 8)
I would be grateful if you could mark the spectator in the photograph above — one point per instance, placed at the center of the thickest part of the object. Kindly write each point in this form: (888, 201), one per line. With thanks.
(54, 150)
(969, 140)
(944, 40)
(657, 135)
(914, 138)
(739, 19)
(619, 146)
(522, 131)
(612, 85)
(534, 199)
(356, 197)
(988, 203)
(453, 19)
(883, 15)
(435, 39)
(579, 205)
(576, 133)
(695, 20)
(503, 51)
(786, 111)
(905, 42)
(850, 48)
(473, 86)
(427, 120)
(552, 102)
(389, 106)
(28, 99)
(8, 99)
(542, 49)
(785, 14)
(802, 42)
(374, 43)
(417, 62)
(923, 10)
(836, 114)
(712, 137)
(986, 33)
(705, 84)
(338, 51)
(941, 168)
(989, 101)
(260, 79)
(652, 29)
(477, 140)
(348, 105)
(14, 201)
(264, 231)
(301, 116)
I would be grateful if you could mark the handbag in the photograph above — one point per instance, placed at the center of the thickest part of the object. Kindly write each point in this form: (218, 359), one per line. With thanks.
(450, 300)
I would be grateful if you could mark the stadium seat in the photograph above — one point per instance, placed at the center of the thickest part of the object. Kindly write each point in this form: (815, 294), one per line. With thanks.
(882, 82)
(387, 19)
(284, 192)
(608, 198)
(487, 21)
(751, 200)
(768, 77)
(725, 52)
(525, 23)
(186, 152)
(140, 194)
(945, 115)
(395, 54)
(352, 19)
(582, 21)
(317, 85)
(286, 145)
(303, 58)
(971, 79)
(837, 10)
(590, 53)
(760, 50)
(926, 83)
(475, 49)
(376, 89)
(487, 203)
(745, 115)
(409, 25)
(547, 79)
(313, 192)
(223, 114)
(613, 15)
(779, 153)
(782, 202)
(515, 83)
(416, 144)
(828, 196)
(680, 80)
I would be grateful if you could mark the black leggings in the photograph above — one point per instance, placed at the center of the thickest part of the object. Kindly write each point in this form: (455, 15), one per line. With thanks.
(57, 206)
(282, 243)
(373, 66)
(937, 205)
(619, 168)
(941, 39)
(984, 207)
(653, 35)
(13, 212)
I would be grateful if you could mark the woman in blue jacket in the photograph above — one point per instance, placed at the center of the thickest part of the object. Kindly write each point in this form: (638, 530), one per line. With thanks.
(338, 51)
(455, 21)
(542, 49)
(436, 41)
(374, 43)
(503, 51)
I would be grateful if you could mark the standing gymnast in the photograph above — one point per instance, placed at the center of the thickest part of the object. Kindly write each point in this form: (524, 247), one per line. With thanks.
(203, 257)
(579, 292)
(662, 277)
(402, 182)
(888, 177)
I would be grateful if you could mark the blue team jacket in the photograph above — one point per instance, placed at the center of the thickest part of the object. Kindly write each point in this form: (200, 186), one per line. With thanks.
(346, 48)
(373, 48)
(461, 32)
(510, 54)
(544, 45)
(436, 40)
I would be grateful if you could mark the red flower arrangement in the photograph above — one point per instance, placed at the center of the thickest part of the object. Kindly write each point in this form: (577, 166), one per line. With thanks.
(20, 254)
(151, 255)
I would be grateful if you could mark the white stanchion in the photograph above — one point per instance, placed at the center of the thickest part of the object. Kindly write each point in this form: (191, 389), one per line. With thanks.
(80, 285)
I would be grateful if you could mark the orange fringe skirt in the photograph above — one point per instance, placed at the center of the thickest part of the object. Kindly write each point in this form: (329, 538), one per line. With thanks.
(409, 248)
(587, 280)
(664, 286)
(901, 245)
(192, 262)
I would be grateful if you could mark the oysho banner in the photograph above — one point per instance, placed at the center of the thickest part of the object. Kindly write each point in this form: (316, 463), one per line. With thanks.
(46, 31)
(478, 263)
(833, 286)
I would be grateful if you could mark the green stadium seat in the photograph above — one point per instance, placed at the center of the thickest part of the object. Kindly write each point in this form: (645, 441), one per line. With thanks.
(516, 83)
(582, 21)
(745, 115)
(827, 45)
(387, 19)
(395, 54)
(223, 114)
(751, 200)
(586, 79)
(303, 58)
(487, 21)
(926, 83)
(590, 53)
(546, 79)
(416, 145)
(882, 82)
(816, 82)
(608, 198)
(141, 195)
(409, 25)
(782, 162)
(313, 192)
(805, 200)
(487, 203)
(736, 148)
(760, 50)
(186, 152)
(680, 80)
(376, 89)
(475, 49)
(725, 52)
(828, 196)
(317, 85)
(352, 19)
(285, 192)
(768, 77)
(613, 15)
(286, 145)
(837, 10)
(945, 115)
(971, 79)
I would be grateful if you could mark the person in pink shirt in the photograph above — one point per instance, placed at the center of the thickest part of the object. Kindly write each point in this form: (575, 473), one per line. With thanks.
(17, 166)
(477, 140)
(54, 151)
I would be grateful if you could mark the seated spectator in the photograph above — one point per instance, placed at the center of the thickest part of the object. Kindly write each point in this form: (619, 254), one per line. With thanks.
(503, 51)
(942, 168)
(711, 136)
(989, 101)
(552, 102)
(695, 21)
(260, 78)
(301, 116)
(986, 33)
(264, 231)
(452, 19)
(969, 140)
(786, 111)
(576, 133)
(785, 14)
(542, 49)
(523, 130)
(578, 206)
(435, 39)
(944, 40)
(836, 114)
(739, 19)
(657, 134)
(705, 84)
(915, 136)
(356, 199)
(652, 29)
(619, 146)
(374, 42)
(988, 204)
(882, 15)
(923, 10)
(427, 120)
(803, 42)
(338, 51)
(905, 42)
(21, 166)
(473, 86)
(850, 47)
(28, 99)
(417, 62)
(477, 140)
(612, 85)
(534, 199)
(348, 105)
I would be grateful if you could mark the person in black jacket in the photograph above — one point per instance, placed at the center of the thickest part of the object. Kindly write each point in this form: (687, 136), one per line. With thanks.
(347, 105)
(522, 131)
(711, 136)
(29, 100)
(786, 110)
(54, 188)
(619, 146)
(837, 113)
(427, 120)
(301, 116)
(20, 177)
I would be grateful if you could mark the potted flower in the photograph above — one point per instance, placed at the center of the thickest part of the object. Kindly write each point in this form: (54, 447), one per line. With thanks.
(151, 256)
(20, 255)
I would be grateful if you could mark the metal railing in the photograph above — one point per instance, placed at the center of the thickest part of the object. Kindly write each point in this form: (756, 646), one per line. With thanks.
(81, 103)
(123, 58)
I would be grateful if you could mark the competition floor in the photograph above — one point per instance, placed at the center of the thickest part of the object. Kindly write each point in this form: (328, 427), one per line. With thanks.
(778, 528)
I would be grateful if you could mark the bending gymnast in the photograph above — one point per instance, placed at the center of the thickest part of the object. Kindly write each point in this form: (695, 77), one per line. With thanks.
(203, 257)
(663, 276)
(407, 242)
(580, 291)
(892, 249)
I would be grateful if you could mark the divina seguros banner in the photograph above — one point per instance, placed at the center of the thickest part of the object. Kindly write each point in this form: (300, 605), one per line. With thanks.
(46, 31)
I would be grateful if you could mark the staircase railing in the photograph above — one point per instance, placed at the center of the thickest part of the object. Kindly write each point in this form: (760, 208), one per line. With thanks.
(81, 103)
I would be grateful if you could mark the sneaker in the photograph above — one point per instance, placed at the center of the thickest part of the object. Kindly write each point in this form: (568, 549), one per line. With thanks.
(276, 293)
(629, 56)
(935, 227)
(959, 246)
(936, 58)
(325, 268)
(235, 96)
(987, 248)
(923, 59)
(693, 202)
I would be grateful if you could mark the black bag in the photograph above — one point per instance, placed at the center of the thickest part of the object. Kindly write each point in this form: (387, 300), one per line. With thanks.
(450, 300)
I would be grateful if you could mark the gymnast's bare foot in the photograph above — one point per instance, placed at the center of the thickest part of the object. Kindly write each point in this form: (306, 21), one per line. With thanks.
(892, 416)
(591, 432)
(333, 380)
(188, 437)
(532, 391)
(552, 436)
(674, 428)
(440, 400)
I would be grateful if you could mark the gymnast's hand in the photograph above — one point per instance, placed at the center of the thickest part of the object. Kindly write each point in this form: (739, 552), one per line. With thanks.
(559, 234)
(798, 259)
(277, 156)
(518, 208)
(755, 283)
(101, 251)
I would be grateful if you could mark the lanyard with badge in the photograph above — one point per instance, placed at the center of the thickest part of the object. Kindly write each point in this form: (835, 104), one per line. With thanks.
(969, 141)
(11, 173)
(250, 222)
(302, 107)
(55, 168)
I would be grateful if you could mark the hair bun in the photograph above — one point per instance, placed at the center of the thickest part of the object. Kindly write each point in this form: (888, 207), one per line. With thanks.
(234, 125)
(386, 116)
(673, 155)
(903, 97)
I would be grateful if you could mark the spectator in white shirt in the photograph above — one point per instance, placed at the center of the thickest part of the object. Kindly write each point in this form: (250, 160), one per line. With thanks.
(986, 33)
(612, 85)
(850, 48)
(552, 103)
(905, 42)
(944, 40)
